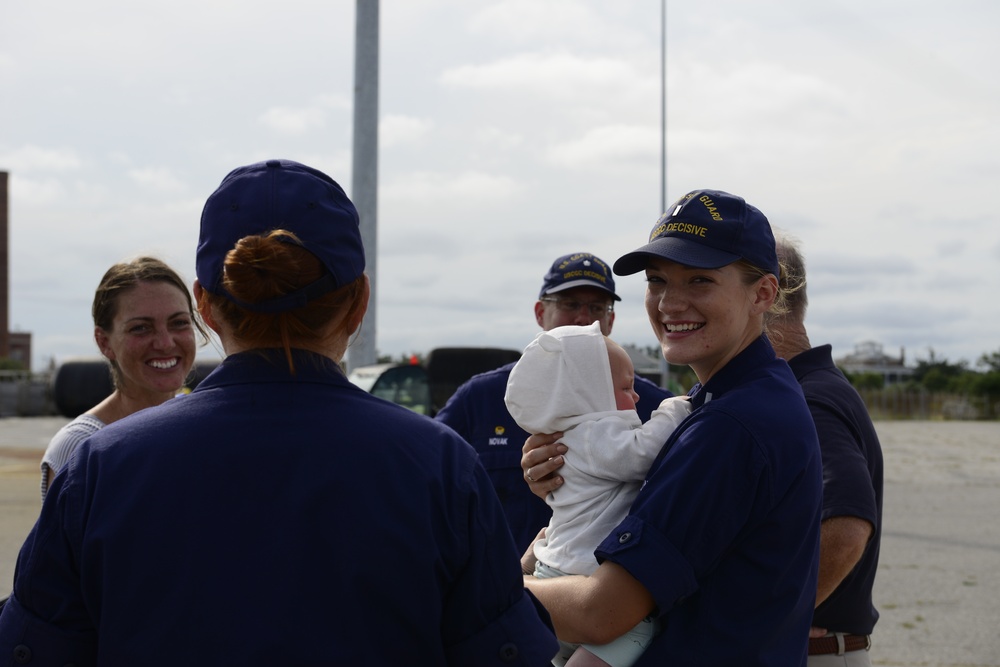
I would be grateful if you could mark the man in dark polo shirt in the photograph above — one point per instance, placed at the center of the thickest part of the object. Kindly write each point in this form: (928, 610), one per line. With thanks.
(852, 482)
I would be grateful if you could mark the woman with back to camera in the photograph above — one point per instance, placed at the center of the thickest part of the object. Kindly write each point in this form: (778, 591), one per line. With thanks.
(278, 515)
(722, 541)
(144, 326)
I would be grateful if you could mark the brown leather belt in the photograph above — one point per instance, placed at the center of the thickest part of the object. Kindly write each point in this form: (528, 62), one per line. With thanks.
(839, 644)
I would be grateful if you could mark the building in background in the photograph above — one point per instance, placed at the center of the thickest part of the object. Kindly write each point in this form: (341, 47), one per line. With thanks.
(22, 393)
(19, 348)
(4, 268)
(14, 345)
(868, 357)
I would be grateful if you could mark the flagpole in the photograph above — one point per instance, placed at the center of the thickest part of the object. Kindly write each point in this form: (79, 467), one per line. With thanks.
(664, 366)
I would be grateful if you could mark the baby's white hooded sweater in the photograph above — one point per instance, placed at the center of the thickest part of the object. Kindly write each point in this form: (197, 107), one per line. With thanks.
(562, 382)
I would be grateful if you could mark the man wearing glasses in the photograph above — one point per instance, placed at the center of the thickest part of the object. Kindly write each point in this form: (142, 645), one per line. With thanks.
(579, 289)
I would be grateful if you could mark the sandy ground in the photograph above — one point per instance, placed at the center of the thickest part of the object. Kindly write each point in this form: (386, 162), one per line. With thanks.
(939, 577)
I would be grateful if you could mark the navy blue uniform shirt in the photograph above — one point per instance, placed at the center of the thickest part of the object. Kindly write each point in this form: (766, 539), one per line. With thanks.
(271, 519)
(725, 532)
(476, 411)
(852, 481)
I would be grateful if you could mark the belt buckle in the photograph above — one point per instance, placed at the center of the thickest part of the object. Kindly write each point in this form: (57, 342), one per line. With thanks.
(842, 645)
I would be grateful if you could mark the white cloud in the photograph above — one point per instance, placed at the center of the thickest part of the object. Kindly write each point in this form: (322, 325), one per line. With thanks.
(466, 186)
(538, 20)
(605, 146)
(36, 158)
(396, 129)
(551, 74)
(160, 179)
(336, 101)
(120, 158)
(34, 192)
(293, 121)
(499, 139)
(773, 95)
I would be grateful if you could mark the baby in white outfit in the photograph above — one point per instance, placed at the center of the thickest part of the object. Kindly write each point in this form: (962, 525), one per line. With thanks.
(575, 380)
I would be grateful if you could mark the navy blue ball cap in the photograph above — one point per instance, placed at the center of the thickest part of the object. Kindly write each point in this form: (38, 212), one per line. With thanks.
(281, 194)
(580, 269)
(707, 229)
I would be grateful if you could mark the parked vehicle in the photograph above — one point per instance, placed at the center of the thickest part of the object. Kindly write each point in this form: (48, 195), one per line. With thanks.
(81, 383)
(449, 367)
(426, 388)
(404, 384)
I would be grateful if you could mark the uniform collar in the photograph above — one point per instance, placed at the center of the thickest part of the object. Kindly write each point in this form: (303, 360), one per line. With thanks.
(813, 359)
(270, 365)
(754, 355)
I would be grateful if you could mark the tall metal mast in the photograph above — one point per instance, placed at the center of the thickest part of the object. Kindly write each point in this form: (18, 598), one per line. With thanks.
(663, 106)
(364, 179)
(664, 366)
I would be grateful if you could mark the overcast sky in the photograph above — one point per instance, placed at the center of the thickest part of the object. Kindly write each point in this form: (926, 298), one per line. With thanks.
(512, 132)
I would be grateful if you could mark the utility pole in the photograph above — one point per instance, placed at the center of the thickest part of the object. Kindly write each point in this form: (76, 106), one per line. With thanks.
(664, 366)
(663, 106)
(364, 179)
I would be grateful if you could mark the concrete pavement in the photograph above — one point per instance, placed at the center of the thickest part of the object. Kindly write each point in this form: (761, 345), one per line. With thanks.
(938, 584)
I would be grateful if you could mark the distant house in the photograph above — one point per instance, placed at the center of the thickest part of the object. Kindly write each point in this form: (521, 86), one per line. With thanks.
(648, 366)
(645, 365)
(868, 357)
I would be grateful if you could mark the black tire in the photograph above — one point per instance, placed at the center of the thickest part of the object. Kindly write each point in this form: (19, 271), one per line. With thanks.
(80, 384)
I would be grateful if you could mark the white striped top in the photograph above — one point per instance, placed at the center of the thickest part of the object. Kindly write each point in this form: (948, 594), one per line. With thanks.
(64, 443)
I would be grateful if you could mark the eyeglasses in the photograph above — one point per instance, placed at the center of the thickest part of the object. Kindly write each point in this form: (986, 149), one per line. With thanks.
(595, 308)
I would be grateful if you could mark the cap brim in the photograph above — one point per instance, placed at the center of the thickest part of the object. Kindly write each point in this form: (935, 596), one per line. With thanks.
(581, 283)
(674, 249)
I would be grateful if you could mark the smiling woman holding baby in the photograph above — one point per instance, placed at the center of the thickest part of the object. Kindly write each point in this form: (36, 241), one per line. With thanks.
(721, 543)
